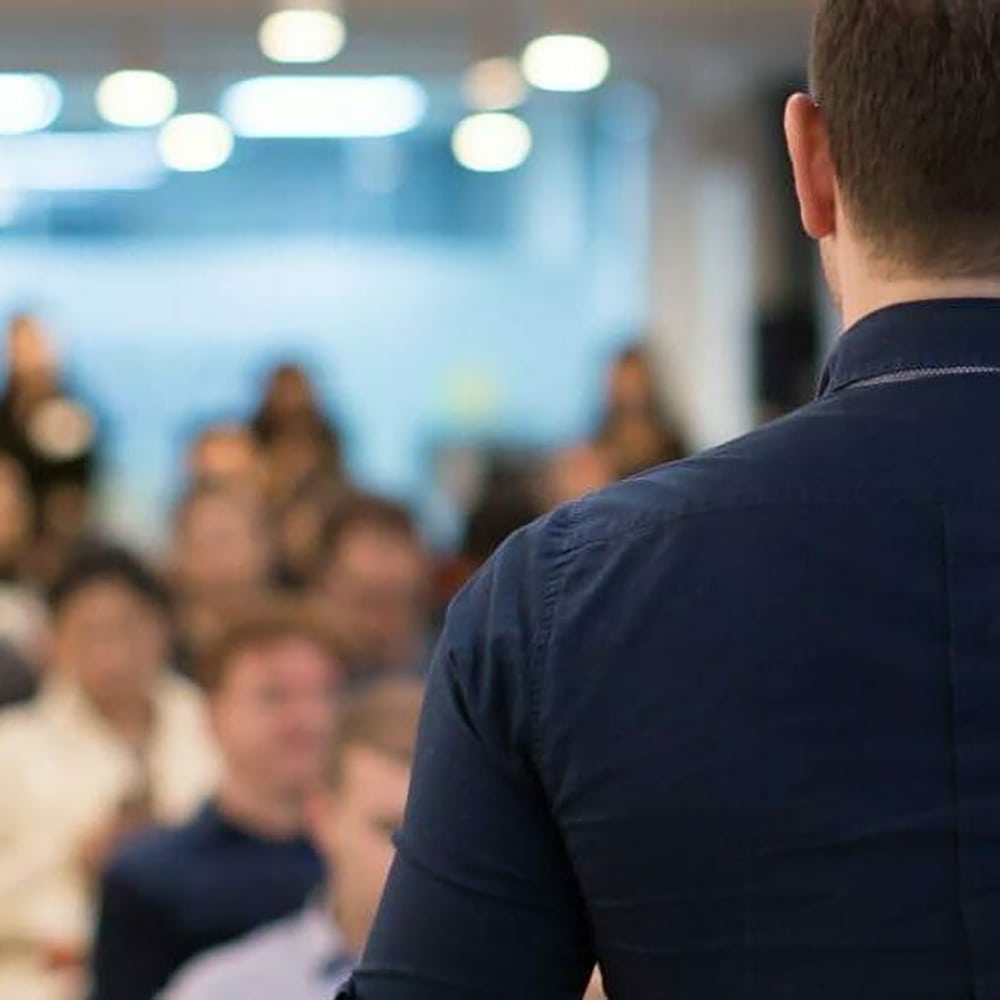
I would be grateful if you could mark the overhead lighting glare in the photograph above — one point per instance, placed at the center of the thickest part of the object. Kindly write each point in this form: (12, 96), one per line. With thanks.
(324, 107)
(568, 63)
(302, 35)
(29, 102)
(135, 98)
(195, 143)
(492, 143)
(495, 85)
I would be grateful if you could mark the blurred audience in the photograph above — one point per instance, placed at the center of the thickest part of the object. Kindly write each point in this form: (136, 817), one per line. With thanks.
(352, 819)
(221, 559)
(52, 436)
(299, 444)
(24, 643)
(114, 743)
(375, 576)
(226, 454)
(635, 433)
(244, 860)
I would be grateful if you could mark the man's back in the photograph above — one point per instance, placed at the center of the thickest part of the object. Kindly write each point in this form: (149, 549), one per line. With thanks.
(733, 728)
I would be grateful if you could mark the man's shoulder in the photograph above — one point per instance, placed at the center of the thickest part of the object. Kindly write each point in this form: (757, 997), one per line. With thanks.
(232, 969)
(770, 465)
(157, 857)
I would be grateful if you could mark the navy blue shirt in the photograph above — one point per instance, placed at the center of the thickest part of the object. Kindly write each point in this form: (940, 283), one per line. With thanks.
(732, 728)
(175, 893)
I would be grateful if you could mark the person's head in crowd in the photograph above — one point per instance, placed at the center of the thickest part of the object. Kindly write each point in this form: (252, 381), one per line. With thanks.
(499, 512)
(634, 433)
(32, 363)
(360, 806)
(271, 681)
(299, 444)
(221, 542)
(110, 628)
(631, 385)
(375, 575)
(896, 150)
(225, 454)
(17, 519)
(572, 473)
(289, 397)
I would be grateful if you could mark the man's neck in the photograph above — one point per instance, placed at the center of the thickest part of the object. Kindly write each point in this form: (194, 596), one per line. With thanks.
(867, 297)
(271, 817)
(132, 718)
(352, 927)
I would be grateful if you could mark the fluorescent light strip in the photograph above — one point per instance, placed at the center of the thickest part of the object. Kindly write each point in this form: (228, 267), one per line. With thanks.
(324, 107)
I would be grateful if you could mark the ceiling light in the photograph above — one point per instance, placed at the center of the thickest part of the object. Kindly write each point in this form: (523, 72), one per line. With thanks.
(495, 85)
(572, 63)
(135, 98)
(195, 143)
(29, 102)
(492, 143)
(324, 107)
(302, 35)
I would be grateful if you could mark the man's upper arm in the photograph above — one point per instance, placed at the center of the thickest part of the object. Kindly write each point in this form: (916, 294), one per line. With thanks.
(134, 941)
(482, 901)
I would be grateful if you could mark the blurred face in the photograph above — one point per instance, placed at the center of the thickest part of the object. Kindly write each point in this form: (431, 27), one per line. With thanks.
(226, 457)
(631, 389)
(112, 641)
(222, 546)
(353, 828)
(291, 392)
(30, 350)
(15, 509)
(274, 715)
(377, 586)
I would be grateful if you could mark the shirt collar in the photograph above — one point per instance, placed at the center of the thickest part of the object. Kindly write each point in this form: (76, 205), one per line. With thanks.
(917, 337)
(324, 943)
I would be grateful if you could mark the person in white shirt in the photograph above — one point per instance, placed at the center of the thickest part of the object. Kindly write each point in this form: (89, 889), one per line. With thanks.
(352, 820)
(113, 743)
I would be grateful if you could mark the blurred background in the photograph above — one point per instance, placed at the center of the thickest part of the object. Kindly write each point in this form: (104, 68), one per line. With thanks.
(456, 288)
(310, 304)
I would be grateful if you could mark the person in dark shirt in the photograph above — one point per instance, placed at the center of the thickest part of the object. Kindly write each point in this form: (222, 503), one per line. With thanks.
(732, 728)
(245, 860)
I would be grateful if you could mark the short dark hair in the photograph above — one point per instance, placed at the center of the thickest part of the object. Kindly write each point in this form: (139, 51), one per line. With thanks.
(263, 624)
(384, 717)
(910, 92)
(364, 511)
(99, 564)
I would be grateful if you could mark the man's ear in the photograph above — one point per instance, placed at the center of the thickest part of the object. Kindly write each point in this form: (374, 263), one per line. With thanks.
(812, 164)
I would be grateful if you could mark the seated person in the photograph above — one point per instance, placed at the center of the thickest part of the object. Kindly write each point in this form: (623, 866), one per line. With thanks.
(244, 860)
(374, 575)
(352, 818)
(114, 742)
(221, 559)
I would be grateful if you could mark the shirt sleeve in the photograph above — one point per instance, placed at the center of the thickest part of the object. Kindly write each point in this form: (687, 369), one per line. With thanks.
(135, 942)
(482, 900)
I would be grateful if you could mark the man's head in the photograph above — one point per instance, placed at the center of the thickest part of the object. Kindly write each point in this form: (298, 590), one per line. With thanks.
(373, 572)
(271, 680)
(361, 805)
(225, 454)
(221, 543)
(110, 625)
(897, 150)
